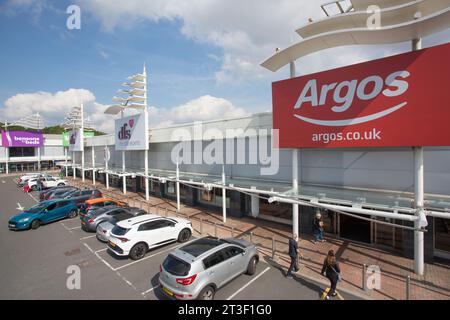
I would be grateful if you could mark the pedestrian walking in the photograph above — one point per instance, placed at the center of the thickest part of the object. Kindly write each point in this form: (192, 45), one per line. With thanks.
(332, 271)
(39, 183)
(293, 254)
(318, 228)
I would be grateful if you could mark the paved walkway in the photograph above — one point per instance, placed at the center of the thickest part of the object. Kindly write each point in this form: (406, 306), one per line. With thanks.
(272, 240)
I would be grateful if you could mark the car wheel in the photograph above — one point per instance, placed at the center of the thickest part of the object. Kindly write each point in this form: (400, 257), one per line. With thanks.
(61, 184)
(33, 188)
(73, 213)
(207, 293)
(251, 269)
(184, 235)
(138, 251)
(35, 224)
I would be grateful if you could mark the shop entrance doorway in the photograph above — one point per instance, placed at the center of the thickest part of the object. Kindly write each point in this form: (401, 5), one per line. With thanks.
(354, 229)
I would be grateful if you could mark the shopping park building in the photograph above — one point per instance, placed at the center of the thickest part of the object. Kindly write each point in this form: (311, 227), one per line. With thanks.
(376, 190)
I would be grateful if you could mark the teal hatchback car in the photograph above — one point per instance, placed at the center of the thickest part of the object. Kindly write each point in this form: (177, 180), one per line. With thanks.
(43, 213)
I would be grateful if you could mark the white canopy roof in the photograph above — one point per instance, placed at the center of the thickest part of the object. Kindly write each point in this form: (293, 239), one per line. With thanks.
(407, 31)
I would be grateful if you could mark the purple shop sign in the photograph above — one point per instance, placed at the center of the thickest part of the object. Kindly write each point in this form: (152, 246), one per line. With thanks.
(22, 139)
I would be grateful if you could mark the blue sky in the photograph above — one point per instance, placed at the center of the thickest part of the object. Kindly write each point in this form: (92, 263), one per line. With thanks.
(202, 56)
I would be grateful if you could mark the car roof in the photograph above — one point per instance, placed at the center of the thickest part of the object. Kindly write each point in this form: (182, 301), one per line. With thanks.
(97, 200)
(129, 223)
(201, 246)
(54, 201)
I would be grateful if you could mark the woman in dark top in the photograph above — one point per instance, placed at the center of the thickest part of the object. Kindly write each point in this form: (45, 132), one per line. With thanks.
(332, 271)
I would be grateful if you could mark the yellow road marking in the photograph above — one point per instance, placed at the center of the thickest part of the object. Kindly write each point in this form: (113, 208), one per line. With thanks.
(325, 292)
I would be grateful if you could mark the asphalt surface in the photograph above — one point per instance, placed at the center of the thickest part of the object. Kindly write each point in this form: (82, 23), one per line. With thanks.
(34, 265)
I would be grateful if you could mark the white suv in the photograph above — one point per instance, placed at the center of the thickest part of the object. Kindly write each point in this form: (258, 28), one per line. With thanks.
(134, 237)
(47, 181)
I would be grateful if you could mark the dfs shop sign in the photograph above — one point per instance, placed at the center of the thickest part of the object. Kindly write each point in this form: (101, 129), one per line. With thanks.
(76, 141)
(402, 100)
(132, 133)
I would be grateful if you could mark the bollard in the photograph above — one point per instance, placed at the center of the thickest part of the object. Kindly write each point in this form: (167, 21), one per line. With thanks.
(364, 276)
(251, 237)
(232, 232)
(201, 226)
(166, 213)
(408, 288)
(215, 230)
(148, 207)
(273, 247)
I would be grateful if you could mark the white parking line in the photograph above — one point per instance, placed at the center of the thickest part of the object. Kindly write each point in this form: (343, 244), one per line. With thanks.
(249, 283)
(89, 248)
(66, 227)
(101, 250)
(75, 228)
(88, 237)
(150, 290)
(148, 257)
(32, 197)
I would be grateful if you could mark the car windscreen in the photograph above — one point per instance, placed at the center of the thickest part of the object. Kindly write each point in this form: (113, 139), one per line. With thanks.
(119, 231)
(37, 208)
(176, 266)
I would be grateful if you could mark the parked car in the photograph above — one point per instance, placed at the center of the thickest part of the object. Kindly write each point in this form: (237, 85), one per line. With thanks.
(90, 221)
(104, 229)
(99, 203)
(23, 180)
(43, 213)
(135, 237)
(65, 194)
(47, 182)
(49, 193)
(81, 196)
(198, 269)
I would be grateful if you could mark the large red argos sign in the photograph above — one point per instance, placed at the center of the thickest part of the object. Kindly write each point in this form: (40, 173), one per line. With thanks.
(402, 100)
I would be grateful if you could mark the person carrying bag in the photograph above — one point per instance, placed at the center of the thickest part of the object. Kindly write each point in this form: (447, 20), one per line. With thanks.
(332, 271)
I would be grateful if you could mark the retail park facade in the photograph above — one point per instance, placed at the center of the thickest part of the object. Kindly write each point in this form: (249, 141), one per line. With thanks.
(374, 177)
(366, 145)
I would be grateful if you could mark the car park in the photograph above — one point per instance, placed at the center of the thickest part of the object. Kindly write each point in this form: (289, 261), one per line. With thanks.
(93, 204)
(43, 213)
(135, 237)
(104, 229)
(198, 269)
(51, 192)
(94, 218)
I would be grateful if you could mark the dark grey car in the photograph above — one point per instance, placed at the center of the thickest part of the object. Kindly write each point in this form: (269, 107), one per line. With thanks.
(94, 218)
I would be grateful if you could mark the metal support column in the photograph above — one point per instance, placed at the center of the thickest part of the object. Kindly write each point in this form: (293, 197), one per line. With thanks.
(39, 158)
(93, 165)
(418, 195)
(295, 173)
(224, 197)
(124, 178)
(7, 160)
(65, 156)
(178, 188)
(147, 187)
(82, 142)
(106, 167)
(73, 166)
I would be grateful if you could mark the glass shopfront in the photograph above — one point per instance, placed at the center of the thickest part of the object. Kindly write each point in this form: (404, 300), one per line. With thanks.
(213, 197)
(442, 237)
(171, 189)
(18, 152)
(275, 210)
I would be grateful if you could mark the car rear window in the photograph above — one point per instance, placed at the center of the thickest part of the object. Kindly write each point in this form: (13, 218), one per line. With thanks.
(176, 266)
(119, 231)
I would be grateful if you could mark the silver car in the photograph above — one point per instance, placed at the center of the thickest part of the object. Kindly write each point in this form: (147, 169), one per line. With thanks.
(200, 268)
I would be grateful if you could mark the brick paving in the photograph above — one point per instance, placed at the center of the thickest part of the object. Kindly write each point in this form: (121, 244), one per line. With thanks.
(435, 285)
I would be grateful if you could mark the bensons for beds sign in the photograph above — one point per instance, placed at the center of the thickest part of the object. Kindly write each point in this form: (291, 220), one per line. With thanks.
(402, 100)
(131, 133)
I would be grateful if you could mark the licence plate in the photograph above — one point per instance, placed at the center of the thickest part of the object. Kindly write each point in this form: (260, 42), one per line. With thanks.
(112, 244)
(170, 293)
(83, 223)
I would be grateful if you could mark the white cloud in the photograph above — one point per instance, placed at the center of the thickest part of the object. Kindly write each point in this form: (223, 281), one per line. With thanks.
(201, 109)
(53, 107)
